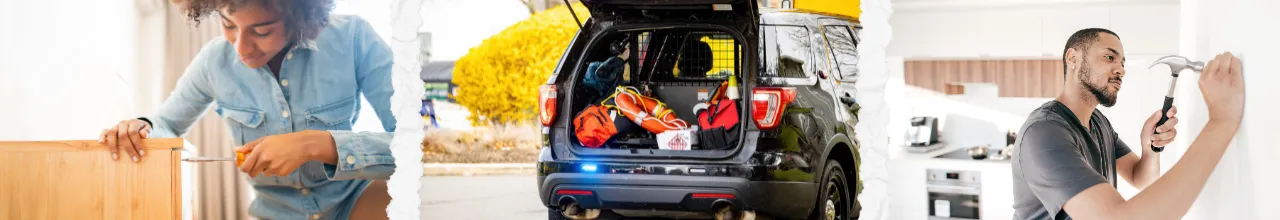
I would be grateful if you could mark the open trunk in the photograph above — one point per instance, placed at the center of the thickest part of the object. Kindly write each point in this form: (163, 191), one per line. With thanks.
(678, 52)
(679, 67)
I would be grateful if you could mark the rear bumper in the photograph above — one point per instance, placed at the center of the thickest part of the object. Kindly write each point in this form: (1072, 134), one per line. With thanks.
(783, 200)
(643, 192)
(671, 187)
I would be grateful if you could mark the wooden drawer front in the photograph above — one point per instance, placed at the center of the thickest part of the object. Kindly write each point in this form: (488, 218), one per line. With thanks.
(78, 180)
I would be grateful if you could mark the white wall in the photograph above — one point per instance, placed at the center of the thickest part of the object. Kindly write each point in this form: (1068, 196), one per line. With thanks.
(1243, 184)
(67, 72)
(954, 30)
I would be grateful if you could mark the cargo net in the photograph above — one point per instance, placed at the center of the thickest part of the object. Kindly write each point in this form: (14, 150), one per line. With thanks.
(698, 55)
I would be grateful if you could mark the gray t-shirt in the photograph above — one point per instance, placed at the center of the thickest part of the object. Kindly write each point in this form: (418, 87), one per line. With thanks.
(1055, 158)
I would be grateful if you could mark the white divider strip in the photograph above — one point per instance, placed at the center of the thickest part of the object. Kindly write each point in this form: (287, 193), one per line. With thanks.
(873, 119)
(405, 103)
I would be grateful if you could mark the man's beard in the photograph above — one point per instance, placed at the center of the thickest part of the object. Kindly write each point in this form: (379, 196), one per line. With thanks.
(1107, 99)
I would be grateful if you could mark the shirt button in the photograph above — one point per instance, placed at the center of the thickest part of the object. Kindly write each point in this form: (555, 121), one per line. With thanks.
(285, 113)
(351, 159)
(284, 82)
(288, 55)
(315, 216)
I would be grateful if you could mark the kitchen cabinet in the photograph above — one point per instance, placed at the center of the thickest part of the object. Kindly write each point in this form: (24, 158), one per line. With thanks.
(76, 179)
(1041, 78)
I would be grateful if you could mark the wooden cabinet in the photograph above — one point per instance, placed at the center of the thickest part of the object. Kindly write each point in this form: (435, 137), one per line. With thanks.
(1014, 78)
(78, 180)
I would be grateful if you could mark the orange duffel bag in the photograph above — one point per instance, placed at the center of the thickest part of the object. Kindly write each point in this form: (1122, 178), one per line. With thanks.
(594, 126)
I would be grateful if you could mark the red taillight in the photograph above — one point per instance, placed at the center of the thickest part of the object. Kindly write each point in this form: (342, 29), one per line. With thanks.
(713, 196)
(547, 104)
(767, 104)
(573, 192)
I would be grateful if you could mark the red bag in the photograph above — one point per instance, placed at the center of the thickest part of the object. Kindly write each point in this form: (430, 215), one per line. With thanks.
(721, 112)
(723, 115)
(594, 126)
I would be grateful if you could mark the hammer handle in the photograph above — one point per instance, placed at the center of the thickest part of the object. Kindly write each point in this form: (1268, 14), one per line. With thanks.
(1164, 112)
(1168, 103)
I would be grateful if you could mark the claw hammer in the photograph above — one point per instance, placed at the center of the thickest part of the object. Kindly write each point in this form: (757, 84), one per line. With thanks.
(1176, 65)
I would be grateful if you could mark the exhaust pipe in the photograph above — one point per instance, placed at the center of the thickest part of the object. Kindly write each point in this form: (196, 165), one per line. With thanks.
(727, 212)
(571, 210)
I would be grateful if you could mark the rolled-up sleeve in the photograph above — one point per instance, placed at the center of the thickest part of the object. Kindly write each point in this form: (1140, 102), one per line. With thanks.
(1052, 165)
(361, 155)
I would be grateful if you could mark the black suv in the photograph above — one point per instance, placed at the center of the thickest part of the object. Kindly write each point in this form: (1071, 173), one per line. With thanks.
(793, 153)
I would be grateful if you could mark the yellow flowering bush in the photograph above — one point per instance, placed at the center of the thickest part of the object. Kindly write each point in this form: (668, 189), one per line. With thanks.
(498, 80)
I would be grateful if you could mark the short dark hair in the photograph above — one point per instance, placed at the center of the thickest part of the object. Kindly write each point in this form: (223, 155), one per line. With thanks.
(304, 19)
(1081, 40)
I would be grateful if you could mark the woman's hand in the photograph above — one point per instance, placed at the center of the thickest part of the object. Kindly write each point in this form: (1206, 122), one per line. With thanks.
(126, 135)
(279, 155)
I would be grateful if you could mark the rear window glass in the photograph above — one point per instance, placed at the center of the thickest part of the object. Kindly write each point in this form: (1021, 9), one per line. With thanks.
(687, 55)
(844, 48)
(786, 51)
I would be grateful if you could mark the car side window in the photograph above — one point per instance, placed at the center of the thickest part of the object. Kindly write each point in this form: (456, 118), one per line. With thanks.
(786, 51)
(844, 50)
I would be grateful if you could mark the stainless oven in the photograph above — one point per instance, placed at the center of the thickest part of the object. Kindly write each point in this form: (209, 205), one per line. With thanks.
(953, 194)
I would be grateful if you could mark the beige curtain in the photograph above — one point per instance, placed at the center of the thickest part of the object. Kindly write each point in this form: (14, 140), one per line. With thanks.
(217, 191)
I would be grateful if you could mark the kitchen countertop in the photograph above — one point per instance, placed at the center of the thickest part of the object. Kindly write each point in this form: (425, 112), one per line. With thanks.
(901, 153)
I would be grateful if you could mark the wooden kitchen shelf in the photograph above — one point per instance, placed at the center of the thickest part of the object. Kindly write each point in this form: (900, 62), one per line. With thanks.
(78, 180)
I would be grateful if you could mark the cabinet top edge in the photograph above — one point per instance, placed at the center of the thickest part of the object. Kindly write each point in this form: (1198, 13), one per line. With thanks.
(85, 145)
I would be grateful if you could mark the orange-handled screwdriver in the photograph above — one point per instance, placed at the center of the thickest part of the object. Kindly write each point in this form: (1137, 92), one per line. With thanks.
(239, 159)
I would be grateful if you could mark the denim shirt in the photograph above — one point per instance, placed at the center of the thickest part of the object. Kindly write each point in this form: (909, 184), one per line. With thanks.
(318, 88)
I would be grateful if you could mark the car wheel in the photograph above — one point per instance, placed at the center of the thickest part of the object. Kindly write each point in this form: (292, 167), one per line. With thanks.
(834, 201)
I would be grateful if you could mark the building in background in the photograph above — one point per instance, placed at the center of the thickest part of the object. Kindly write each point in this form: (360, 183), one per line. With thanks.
(424, 39)
(437, 78)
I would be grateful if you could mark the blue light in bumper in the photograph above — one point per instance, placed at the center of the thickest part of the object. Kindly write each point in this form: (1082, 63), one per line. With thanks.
(589, 167)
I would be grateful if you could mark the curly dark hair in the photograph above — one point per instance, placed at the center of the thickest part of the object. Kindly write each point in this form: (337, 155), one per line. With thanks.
(303, 18)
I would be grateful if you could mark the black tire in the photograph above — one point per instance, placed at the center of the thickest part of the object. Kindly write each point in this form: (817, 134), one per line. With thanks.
(835, 198)
(553, 214)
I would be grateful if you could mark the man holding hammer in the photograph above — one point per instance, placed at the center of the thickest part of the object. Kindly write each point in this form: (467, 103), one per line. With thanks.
(1066, 161)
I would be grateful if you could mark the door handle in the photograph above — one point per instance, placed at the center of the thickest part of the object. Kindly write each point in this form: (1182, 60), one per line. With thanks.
(846, 100)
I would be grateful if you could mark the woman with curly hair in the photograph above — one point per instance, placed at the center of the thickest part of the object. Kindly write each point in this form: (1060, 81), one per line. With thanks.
(287, 78)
